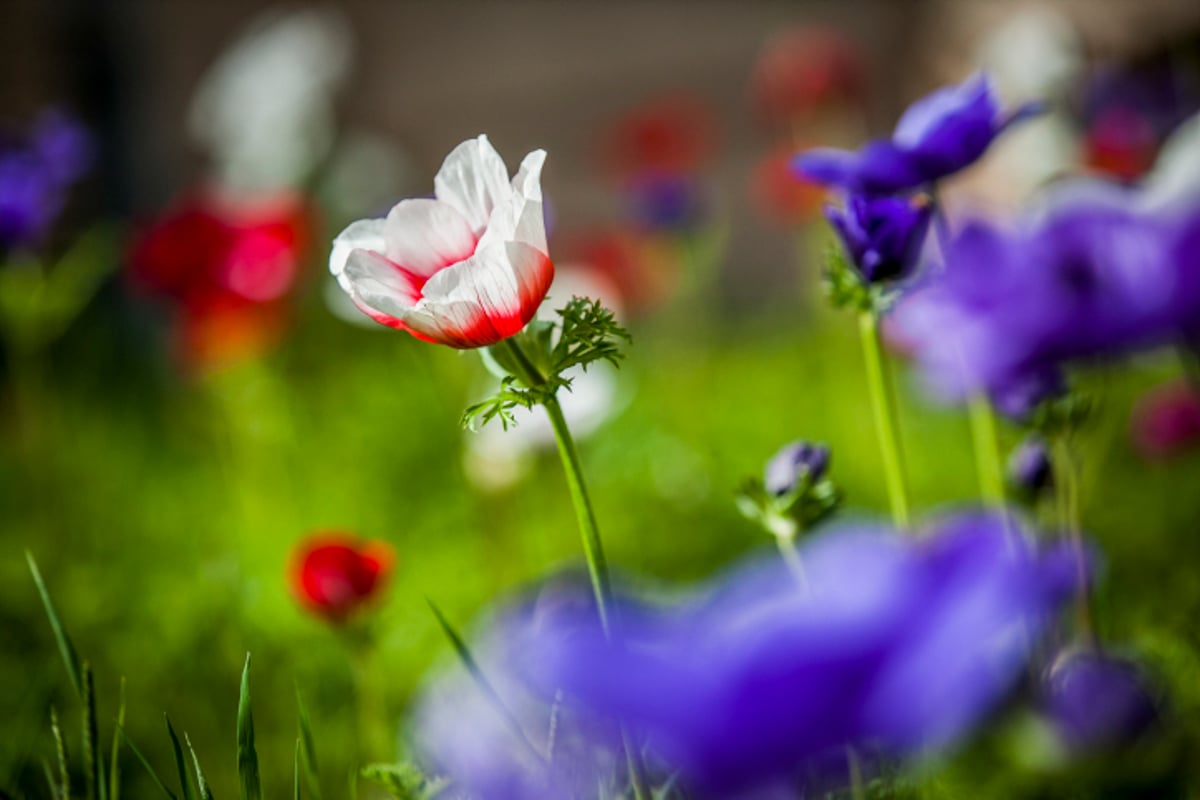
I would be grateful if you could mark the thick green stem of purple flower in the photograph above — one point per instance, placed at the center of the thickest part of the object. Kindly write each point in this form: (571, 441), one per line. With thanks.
(589, 532)
(988, 463)
(884, 408)
(1066, 475)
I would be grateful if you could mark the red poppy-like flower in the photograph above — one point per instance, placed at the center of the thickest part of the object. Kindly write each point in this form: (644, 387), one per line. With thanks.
(466, 269)
(671, 135)
(804, 70)
(226, 267)
(1166, 421)
(334, 574)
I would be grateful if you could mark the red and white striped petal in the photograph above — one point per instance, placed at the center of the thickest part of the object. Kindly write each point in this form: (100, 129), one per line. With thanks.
(365, 234)
(474, 180)
(506, 282)
(424, 236)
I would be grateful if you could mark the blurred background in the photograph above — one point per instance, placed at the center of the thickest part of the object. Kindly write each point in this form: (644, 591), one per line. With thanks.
(188, 399)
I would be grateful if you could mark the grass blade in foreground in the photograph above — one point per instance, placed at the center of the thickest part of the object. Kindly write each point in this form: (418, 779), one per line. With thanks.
(92, 765)
(296, 772)
(114, 771)
(179, 763)
(145, 763)
(247, 757)
(60, 750)
(308, 749)
(201, 783)
(70, 659)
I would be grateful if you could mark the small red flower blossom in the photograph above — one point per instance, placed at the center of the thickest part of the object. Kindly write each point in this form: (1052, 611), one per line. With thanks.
(333, 574)
(803, 71)
(1166, 422)
(671, 135)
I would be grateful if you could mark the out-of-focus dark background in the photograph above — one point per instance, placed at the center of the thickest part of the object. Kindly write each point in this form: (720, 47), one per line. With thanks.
(166, 450)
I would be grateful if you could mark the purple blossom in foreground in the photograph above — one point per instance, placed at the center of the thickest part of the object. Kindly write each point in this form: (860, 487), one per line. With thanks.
(34, 177)
(1097, 701)
(883, 236)
(1094, 276)
(938, 135)
(793, 463)
(754, 685)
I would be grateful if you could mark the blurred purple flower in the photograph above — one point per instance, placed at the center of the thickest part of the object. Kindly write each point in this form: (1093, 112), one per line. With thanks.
(34, 176)
(795, 462)
(1029, 467)
(1098, 701)
(938, 135)
(1019, 397)
(1094, 275)
(883, 236)
(671, 201)
(897, 646)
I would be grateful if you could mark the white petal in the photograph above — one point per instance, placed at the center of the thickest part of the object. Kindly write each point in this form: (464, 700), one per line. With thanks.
(376, 284)
(474, 180)
(522, 218)
(423, 236)
(508, 281)
(365, 234)
(1175, 179)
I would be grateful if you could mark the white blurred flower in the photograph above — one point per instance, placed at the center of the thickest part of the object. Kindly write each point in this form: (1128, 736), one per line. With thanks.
(1175, 178)
(264, 110)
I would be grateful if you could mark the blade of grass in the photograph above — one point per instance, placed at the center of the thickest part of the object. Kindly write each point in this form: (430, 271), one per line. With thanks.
(145, 763)
(180, 767)
(296, 772)
(201, 783)
(69, 657)
(55, 791)
(247, 756)
(476, 673)
(309, 749)
(60, 750)
(92, 763)
(114, 771)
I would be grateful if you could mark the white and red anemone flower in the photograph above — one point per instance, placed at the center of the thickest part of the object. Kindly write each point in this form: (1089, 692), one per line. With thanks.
(466, 269)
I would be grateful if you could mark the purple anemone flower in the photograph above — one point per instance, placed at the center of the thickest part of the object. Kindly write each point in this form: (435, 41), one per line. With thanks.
(1093, 276)
(883, 236)
(1098, 701)
(793, 463)
(937, 136)
(754, 685)
(34, 176)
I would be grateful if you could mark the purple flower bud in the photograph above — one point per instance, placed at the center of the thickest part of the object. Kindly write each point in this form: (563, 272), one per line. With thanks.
(1029, 466)
(1098, 701)
(1018, 397)
(794, 462)
(882, 235)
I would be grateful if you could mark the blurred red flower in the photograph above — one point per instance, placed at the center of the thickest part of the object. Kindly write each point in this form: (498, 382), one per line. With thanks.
(334, 574)
(673, 134)
(1166, 421)
(1121, 143)
(805, 70)
(779, 194)
(643, 275)
(225, 266)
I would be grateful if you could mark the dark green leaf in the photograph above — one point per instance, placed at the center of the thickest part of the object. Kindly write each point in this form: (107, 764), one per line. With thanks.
(247, 756)
(92, 764)
(65, 648)
(180, 766)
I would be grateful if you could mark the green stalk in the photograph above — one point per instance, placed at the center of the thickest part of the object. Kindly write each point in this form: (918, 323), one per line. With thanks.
(589, 532)
(988, 463)
(883, 406)
(1066, 475)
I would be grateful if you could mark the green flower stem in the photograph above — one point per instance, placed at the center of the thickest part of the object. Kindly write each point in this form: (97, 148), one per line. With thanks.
(1066, 475)
(988, 463)
(791, 557)
(854, 766)
(589, 532)
(883, 406)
